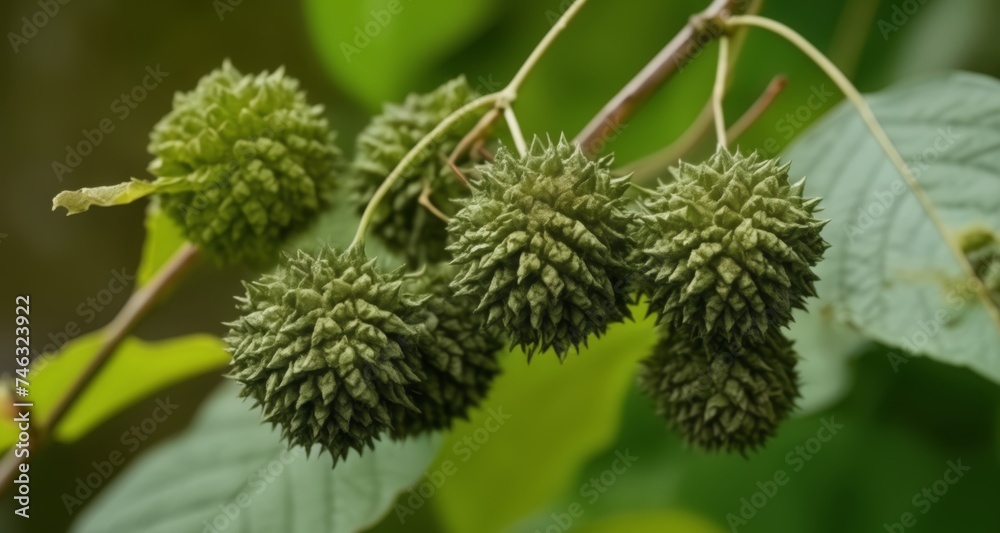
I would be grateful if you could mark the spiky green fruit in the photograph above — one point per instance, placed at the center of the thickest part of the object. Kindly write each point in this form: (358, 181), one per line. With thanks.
(458, 355)
(727, 249)
(400, 221)
(323, 347)
(242, 163)
(730, 398)
(542, 246)
(257, 159)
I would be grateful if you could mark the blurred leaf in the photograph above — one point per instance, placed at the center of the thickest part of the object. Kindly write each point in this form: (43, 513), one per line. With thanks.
(229, 470)
(137, 370)
(898, 433)
(375, 49)
(163, 238)
(653, 522)
(889, 273)
(560, 415)
(825, 349)
(941, 36)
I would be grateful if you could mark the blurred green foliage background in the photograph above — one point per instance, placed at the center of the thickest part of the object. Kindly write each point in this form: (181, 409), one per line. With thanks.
(900, 430)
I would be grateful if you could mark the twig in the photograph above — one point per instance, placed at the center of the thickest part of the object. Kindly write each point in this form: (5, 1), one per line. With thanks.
(883, 139)
(851, 34)
(529, 64)
(515, 131)
(648, 167)
(470, 138)
(692, 38)
(113, 334)
(719, 90)
(425, 200)
(510, 92)
(755, 111)
(500, 100)
(412, 155)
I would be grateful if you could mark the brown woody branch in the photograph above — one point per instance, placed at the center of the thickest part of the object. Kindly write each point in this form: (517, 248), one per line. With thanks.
(702, 29)
(113, 334)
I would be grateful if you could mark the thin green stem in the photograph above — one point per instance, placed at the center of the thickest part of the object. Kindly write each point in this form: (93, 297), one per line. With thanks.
(500, 100)
(851, 34)
(763, 102)
(529, 64)
(881, 136)
(515, 131)
(650, 167)
(416, 152)
(719, 91)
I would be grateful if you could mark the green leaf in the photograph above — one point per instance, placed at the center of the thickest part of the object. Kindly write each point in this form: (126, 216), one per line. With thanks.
(653, 522)
(560, 415)
(229, 471)
(825, 348)
(376, 49)
(163, 238)
(137, 370)
(120, 194)
(896, 440)
(889, 273)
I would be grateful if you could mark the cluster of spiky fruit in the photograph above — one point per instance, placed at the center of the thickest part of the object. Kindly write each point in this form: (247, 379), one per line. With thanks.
(338, 353)
(725, 254)
(545, 250)
(403, 224)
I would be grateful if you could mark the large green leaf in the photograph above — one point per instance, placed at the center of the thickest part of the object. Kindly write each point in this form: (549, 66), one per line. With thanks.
(136, 370)
(896, 439)
(889, 272)
(540, 423)
(825, 348)
(376, 48)
(235, 474)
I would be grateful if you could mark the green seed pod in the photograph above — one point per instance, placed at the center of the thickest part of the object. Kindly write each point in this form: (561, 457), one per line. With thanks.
(542, 246)
(727, 249)
(459, 356)
(263, 161)
(242, 163)
(732, 399)
(323, 347)
(981, 246)
(400, 221)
